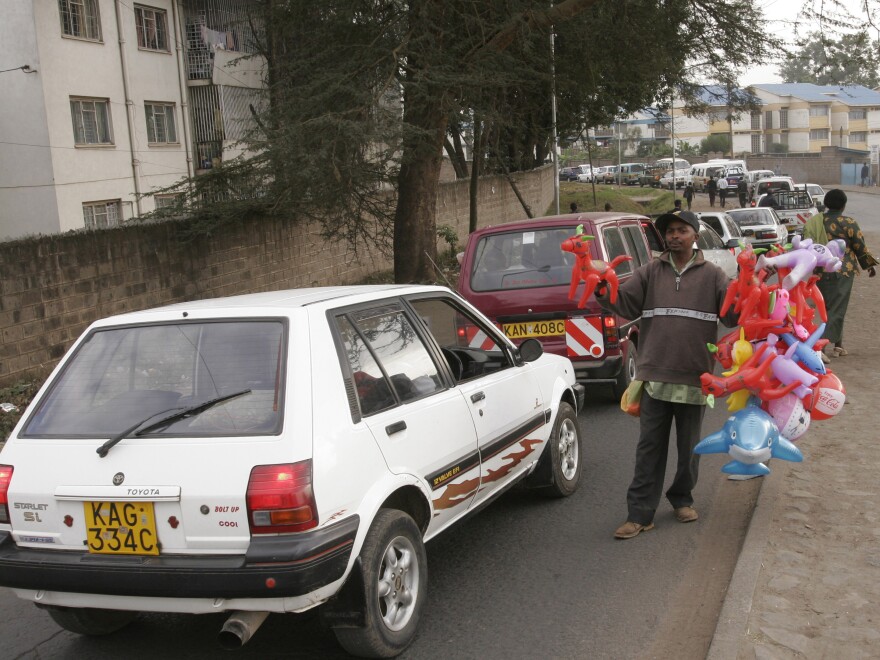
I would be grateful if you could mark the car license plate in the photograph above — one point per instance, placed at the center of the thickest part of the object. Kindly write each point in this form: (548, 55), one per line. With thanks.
(121, 528)
(534, 329)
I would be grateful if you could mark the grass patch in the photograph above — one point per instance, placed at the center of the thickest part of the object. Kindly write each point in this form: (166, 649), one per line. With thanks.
(626, 199)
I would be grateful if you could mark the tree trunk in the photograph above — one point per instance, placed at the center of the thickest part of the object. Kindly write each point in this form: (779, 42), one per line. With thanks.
(415, 219)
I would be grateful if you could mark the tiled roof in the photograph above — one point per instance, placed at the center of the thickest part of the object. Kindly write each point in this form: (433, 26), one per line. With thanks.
(851, 95)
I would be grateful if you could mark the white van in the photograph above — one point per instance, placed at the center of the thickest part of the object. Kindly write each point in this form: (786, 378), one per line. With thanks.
(680, 163)
(699, 174)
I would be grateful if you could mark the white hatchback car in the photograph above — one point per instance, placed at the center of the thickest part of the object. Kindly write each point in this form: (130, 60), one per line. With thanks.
(272, 453)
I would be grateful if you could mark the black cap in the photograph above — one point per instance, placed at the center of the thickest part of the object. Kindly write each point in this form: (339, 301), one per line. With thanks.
(684, 216)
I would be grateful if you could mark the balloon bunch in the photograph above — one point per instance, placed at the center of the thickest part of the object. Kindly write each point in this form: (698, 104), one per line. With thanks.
(774, 377)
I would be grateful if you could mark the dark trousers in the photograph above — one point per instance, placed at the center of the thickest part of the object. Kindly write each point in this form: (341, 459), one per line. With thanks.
(646, 488)
(722, 196)
(711, 198)
(836, 290)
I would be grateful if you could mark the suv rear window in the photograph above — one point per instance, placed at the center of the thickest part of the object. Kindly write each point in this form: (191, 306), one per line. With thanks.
(121, 376)
(795, 199)
(522, 260)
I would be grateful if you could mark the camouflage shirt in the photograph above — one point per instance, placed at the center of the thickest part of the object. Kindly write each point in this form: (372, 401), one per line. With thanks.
(846, 228)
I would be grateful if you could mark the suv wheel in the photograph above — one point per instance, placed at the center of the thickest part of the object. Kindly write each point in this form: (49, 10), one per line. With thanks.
(395, 575)
(89, 621)
(627, 372)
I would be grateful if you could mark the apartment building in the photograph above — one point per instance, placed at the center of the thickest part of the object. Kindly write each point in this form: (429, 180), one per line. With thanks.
(802, 116)
(114, 99)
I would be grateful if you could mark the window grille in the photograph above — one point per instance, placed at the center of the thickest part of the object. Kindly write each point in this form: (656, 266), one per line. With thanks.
(218, 24)
(756, 121)
(80, 18)
(102, 215)
(819, 111)
(783, 119)
(91, 121)
(160, 123)
(756, 144)
(858, 136)
(768, 119)
(152, 28)
(858, 114)
(167, 201)
(819, 134)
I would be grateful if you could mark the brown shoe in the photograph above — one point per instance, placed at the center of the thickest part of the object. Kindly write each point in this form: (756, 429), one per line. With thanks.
(686, 514)
(629, 529)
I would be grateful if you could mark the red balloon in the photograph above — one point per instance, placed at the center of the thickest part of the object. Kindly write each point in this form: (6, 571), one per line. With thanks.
(826, 398)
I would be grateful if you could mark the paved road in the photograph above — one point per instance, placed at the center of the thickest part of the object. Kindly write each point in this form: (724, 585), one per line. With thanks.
(525, 578)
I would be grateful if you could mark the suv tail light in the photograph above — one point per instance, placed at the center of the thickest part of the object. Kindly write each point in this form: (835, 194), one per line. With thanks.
(5, 479)
(280, 499)
(609, 329)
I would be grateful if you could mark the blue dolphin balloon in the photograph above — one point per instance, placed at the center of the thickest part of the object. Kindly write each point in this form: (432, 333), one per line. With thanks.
(805, 353)
(749, 437)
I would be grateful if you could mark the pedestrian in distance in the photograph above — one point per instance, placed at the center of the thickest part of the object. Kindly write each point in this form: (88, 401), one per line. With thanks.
(712, 189)
(866, 174)
(769, 200)
(689, 194)
(742, 189)
(607, 206)
(678, 296)
(836, 287)
(722, 190)
(676, 207)
(574, 207)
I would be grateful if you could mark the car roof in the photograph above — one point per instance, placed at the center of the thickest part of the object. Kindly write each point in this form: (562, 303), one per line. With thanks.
(564, 220)
(273, 301)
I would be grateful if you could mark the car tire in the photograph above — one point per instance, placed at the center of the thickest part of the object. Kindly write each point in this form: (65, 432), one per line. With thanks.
(89, 621)
(627, 370)
(395, 575)
(564, 455)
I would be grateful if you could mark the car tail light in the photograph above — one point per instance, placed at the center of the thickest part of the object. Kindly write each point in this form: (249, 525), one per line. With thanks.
(5, 479)
(609, 329)
(280, 499)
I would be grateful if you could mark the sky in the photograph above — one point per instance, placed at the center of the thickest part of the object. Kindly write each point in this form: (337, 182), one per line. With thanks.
(785, 20)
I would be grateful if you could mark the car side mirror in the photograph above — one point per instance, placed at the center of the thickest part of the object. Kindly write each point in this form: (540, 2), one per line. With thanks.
(531, 349)
(733, 243)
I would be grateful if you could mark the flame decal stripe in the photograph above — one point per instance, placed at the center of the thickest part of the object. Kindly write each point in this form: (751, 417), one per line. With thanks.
(512, 437)
(459, 468)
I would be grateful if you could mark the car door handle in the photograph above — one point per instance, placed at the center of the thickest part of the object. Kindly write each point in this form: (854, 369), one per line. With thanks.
(478, 396)
(397, 427)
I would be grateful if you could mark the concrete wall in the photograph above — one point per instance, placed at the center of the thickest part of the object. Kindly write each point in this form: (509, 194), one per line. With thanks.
(52, 287)
(822, 168)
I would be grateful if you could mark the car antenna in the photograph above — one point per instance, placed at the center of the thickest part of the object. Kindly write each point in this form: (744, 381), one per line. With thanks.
(437, 268)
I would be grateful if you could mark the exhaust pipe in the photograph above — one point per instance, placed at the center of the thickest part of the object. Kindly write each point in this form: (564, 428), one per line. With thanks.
(239, 628)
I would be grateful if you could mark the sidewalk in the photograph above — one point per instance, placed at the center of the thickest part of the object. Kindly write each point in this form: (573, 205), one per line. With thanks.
(807, 582)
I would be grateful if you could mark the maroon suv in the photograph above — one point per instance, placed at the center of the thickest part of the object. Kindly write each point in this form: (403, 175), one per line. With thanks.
(518, 276)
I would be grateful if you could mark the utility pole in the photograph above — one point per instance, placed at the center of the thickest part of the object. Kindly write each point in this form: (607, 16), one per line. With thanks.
(553, 112)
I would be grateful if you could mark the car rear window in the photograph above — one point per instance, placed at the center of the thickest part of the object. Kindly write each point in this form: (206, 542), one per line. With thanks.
(751, 217)
(522, 260)
(121, 376)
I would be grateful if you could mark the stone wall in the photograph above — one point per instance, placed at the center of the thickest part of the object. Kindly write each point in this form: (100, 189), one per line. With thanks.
(53, 287)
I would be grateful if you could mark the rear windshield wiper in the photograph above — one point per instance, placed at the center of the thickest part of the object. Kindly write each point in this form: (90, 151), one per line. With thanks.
(181, 413)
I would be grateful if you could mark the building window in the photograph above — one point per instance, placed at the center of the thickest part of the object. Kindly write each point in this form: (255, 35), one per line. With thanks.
(91, 121)
(756, 143)
(102, 215)
(756, 121)
(783, 118)
(168, 201)
(160, 123)
(819, 111)
(858, 136)
(858, 114)
(152, 28)
(768, 119)
(819, 134)
(80, 18)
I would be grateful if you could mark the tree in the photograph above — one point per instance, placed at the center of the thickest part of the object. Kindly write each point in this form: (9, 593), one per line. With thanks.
(716, 142)
(822, 59)
(363, 96)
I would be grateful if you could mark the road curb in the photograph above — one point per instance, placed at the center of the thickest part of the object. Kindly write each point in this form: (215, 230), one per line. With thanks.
(733, 621)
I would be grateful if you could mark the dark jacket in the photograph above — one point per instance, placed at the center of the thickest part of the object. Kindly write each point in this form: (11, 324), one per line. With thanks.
(678, 317)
